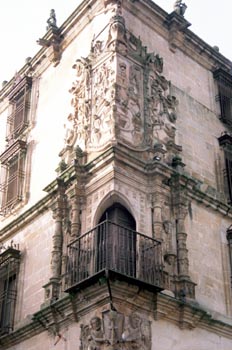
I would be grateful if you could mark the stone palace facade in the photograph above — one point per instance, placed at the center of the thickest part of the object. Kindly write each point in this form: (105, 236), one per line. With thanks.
(116, 186)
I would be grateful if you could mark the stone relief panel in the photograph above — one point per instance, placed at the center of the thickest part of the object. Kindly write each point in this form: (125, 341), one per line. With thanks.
(114, 330)
(160, 105)
(102, 84)
(120, 94)
(129, 102)
(77, 128)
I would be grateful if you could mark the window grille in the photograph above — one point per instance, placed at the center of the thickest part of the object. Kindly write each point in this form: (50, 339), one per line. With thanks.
(9, 268)
(20, 104)
(225, 141)
(224, 97)
(13, 174)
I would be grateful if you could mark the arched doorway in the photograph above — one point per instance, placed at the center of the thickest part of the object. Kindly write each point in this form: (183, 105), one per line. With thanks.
(116, 241)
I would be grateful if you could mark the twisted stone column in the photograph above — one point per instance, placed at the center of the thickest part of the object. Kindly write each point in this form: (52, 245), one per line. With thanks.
(52, 288)
(184, 286)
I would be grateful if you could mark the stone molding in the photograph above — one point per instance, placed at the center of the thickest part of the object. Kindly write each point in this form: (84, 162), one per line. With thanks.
(192, 186)
(126, 298)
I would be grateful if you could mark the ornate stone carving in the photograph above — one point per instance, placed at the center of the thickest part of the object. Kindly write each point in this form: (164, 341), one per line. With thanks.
(116, 331)
(54, 39)
(77, 128)
(160, 105)
(180, 7)
(52, 288)
(52, 20)
(117, 39)
(121, 95)
(102, 114)
(129, 103)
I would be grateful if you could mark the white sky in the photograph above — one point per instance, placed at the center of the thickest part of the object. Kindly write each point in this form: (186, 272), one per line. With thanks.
(22, 22)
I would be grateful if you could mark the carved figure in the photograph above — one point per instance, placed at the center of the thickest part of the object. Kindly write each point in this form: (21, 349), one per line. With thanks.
(155, 62)
(180, 7)
(134, 333)
(122, 73)
(96, 336)
(97, 48)
(112, 333)
(52, 20)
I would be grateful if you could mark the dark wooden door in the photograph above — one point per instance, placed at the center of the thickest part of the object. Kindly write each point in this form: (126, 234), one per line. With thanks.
(117, 241)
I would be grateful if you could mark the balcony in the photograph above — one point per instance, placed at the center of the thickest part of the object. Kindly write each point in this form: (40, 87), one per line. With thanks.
(116, 251)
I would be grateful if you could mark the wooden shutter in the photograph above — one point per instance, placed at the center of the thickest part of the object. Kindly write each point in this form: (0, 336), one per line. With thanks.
(228, 174)
(13, 172)
(20, 100)
(9, 267)
(19, 116)
(224, 82)
(225, 98)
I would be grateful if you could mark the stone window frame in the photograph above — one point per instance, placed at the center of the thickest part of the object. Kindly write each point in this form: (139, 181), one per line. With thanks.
(13, 159)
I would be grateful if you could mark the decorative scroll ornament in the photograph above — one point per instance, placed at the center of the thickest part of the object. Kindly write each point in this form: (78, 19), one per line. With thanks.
(116, 331)
(120, 95)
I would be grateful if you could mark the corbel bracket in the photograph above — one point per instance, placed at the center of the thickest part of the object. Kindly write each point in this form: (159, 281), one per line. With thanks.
(176, 25)
(53, 40)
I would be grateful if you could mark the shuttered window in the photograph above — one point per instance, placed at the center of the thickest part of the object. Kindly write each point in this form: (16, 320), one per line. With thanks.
(228, 174)
(9, 268)
(20, 105)
(12, 175)
(225, 141)
(224, 97)
(13, 170)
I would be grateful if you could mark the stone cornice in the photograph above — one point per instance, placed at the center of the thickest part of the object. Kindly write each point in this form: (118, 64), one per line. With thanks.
(25, 218)
(185, 40)
(157, 306)
(122, 157)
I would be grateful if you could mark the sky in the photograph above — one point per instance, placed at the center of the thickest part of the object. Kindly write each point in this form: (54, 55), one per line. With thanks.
(23, 22)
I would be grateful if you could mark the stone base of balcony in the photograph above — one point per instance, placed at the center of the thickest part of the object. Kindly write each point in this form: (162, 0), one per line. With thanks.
(110, 275)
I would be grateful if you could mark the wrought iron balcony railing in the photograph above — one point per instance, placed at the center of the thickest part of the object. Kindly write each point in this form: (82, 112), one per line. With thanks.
(111, 247)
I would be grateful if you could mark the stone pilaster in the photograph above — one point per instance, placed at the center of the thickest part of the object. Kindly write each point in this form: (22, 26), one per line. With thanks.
(184, 286)
(52, 288)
